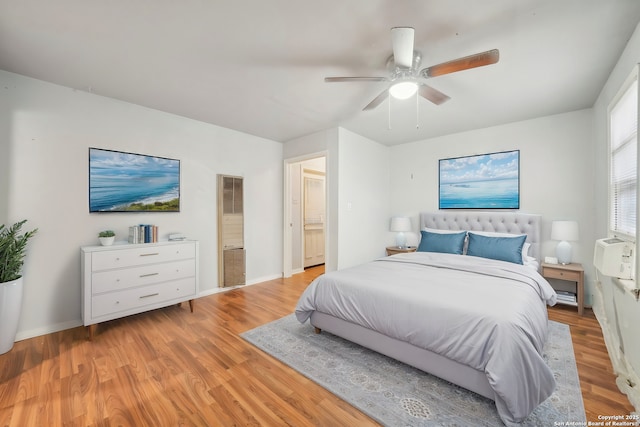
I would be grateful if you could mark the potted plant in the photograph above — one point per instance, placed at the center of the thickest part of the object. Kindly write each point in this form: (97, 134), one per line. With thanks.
(13, 247)
(106, 237)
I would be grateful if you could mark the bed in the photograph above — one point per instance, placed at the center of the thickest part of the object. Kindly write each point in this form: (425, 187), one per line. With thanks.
(465, 315)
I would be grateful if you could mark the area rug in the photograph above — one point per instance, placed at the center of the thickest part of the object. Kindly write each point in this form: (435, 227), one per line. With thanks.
(395, 394)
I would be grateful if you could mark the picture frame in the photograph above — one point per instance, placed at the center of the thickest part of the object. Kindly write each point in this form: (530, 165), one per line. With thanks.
(481, 181)
(130, 182)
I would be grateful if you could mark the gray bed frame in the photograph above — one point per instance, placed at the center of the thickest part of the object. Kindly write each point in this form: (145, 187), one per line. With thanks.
(425, 360)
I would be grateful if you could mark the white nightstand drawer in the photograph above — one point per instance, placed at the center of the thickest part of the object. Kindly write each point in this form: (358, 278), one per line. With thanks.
(141, 255)
(114, 280)
(114, 302)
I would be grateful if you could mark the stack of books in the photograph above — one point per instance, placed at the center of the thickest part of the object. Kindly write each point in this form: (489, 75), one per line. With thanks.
(567, 297)
(143, 233)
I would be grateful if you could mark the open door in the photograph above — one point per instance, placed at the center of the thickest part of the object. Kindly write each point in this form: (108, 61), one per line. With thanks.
(314, 218)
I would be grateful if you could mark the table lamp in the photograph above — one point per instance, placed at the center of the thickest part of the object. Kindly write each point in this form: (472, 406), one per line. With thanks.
(565, 231)
(400, 224)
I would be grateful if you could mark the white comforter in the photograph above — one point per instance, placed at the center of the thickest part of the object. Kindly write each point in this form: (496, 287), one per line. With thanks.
(490, 315)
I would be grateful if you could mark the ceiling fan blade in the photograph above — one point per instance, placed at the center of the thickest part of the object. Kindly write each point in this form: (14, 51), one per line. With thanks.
(472, 61)
(377, 100)
(355, 79)
(402, 41)
(433, 95)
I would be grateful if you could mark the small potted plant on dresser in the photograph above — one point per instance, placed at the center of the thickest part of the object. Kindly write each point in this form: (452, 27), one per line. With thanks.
(106, 237)
(12, 252)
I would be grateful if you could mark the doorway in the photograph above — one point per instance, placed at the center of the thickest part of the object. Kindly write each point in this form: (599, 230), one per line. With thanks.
(313, 217)
(305, 219)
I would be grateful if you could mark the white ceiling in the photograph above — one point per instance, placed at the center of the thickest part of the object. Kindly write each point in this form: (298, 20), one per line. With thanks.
(258, 66)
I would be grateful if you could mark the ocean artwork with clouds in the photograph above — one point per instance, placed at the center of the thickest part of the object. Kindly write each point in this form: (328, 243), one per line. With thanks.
(485, 181)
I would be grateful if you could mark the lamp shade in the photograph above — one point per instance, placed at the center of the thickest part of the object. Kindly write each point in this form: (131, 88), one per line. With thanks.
(564, 230)
(400, 223)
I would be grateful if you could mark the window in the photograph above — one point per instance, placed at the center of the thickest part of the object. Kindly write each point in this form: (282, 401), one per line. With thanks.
(623, 143)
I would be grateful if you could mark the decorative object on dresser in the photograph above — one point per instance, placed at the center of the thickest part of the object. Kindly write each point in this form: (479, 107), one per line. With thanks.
(143, 233)
(13, 247)
(392, 250)
(106, 237)
(571, 273)
(400, 224)
(122, 280)
(565, 231)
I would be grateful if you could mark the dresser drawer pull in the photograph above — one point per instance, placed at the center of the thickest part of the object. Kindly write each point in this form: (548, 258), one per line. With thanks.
(150, 295)
(151, 254)
(149, 275)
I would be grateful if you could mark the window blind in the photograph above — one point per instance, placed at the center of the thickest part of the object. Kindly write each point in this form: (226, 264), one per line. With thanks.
(623, 125)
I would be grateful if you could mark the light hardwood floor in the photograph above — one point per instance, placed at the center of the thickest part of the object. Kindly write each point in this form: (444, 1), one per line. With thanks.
(170, 367)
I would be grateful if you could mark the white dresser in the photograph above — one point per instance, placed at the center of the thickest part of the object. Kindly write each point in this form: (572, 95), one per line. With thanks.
(126, 279)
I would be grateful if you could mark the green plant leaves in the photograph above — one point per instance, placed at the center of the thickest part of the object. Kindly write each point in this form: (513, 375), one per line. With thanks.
(13, 250)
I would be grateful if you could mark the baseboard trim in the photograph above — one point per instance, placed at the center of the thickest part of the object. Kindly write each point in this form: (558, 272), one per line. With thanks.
(49, 329)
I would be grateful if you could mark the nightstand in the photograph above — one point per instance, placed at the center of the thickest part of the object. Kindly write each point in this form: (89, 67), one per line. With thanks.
(392, 250)
(572, 273)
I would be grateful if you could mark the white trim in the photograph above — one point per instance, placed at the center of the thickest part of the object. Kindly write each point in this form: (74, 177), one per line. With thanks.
(287, 224)
(631, 78)
(49, 329)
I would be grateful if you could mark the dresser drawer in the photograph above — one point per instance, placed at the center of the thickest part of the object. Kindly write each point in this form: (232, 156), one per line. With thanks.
(556, 273)
(132, 257)
(113, 280)
(131, 299)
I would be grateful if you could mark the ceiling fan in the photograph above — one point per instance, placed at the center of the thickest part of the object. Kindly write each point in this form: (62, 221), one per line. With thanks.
(406, 79)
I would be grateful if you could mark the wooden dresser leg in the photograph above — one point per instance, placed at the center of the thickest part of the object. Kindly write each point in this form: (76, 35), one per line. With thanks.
(90, 330)
(191, 302)
(318, 330)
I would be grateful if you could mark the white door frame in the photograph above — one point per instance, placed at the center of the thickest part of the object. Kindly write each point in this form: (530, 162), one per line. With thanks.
(288, 206)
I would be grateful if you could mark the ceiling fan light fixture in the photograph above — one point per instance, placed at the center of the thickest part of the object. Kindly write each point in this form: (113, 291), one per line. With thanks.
(403, 90)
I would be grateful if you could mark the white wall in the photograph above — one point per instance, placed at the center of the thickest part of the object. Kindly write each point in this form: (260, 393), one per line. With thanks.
(618, 312)
(5, 155)
(47, 131)
(363, 199)
(556, 178)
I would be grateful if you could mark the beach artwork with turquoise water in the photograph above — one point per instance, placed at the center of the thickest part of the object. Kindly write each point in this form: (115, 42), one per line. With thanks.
(486, 181)
(127, 182)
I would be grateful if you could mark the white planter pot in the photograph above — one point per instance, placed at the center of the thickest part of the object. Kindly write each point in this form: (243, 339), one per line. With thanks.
(106, 241)
(10, 307)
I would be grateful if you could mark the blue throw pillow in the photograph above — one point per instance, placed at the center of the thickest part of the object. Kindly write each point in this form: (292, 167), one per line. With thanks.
(448, 243)
(501, 248)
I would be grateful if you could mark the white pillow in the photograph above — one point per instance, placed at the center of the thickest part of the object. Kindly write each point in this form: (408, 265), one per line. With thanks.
(532, 262)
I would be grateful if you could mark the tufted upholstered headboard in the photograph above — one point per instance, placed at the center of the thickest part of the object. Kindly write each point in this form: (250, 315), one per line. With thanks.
(500, 222)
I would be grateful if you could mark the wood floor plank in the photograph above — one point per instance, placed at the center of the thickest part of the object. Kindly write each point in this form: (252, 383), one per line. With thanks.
(173, 367)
